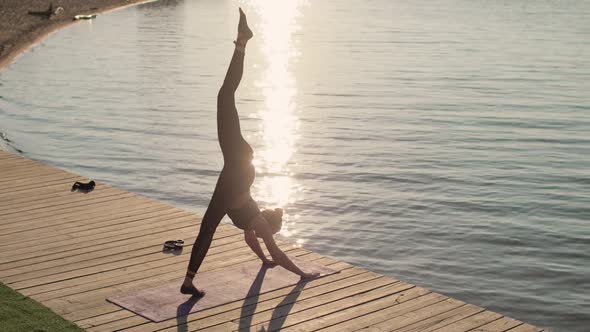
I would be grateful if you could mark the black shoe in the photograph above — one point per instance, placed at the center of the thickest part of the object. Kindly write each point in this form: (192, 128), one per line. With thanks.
(173, 245)
(83, 187)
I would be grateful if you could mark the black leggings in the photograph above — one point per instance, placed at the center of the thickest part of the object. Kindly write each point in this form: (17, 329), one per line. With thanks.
(233, 146)
(229, 133)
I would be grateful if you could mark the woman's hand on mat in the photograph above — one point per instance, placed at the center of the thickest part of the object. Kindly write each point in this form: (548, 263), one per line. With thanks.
(309, 276)
(269, 263)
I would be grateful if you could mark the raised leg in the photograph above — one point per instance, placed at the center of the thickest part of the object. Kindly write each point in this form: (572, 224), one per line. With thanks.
(228, 121)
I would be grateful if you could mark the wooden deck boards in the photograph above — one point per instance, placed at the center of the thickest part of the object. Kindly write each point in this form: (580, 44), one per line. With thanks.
(70, 251)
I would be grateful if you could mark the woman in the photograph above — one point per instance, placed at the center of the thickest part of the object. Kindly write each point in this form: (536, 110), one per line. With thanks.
(232, 192)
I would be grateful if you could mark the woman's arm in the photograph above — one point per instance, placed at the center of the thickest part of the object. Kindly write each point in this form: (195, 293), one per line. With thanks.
(252, 241)
(263, 230)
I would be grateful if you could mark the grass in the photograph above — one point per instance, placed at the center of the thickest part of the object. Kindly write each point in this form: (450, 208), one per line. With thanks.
(20, 313)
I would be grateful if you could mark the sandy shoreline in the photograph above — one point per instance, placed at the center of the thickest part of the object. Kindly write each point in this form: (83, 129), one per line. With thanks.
(19, 30)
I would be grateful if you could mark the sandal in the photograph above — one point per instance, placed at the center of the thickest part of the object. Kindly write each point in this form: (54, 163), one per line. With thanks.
(173, 244)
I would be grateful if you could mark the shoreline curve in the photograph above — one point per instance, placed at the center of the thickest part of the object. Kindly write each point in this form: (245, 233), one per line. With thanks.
(20, 31)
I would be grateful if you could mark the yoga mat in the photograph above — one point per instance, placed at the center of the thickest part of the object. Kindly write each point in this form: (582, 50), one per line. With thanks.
(221, 286)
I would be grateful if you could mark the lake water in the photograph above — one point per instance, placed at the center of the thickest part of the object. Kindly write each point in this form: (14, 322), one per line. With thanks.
(445, 143)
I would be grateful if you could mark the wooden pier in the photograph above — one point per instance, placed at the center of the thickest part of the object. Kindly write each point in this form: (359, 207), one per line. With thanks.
(70, 251)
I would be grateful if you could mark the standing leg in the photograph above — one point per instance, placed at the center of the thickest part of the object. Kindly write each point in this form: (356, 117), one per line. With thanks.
(228, 122)
(213, 215)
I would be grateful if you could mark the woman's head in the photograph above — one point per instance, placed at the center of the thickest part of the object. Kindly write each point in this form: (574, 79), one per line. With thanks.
(274, 217)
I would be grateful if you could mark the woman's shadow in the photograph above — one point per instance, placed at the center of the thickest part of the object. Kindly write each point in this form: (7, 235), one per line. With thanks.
(281, 310)
(248, 308)
(182, 312)
(279, 315)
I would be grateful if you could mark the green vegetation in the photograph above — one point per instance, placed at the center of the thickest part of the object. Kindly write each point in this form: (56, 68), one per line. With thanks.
(20, 313)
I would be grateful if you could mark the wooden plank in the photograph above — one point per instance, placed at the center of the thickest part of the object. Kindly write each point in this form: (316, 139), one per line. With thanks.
(101, 232)
(22, 166)
(471, 322)
(125, 257)
(103, 322)
(396, 321)
(40, 197)
(58, 234)
(102, 249)
(37, 181)
(87, 220)
(151, 277)
(400, 309)
(76, 214)
(17, 164)
(124, 319)
(226, 245)
(74, 243)
(18, 167)
(305, 310)
(234, 310)
(79, 220)
(55, 207)
(4, 155)
(25, 282)
(97, 305)
(225, 327)
(134, 322)
(74, 248)
(9, 157)
(501, 325)
(51, 204)
(58, 241)
(40, 193)
(525, 328)
(95, 260)
(337, 285)
(14, 166)
(58, 209)
(443, 319)
(11, 163)
(97, 220)
(371, 313)
(45, 185)
(6, 162)
(170, 268)
(35, 174)
(69, 303)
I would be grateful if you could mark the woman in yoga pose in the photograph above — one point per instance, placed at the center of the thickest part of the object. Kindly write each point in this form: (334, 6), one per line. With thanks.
(232, 192)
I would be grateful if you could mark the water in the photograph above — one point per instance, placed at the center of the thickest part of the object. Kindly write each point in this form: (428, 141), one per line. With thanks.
(444, 143)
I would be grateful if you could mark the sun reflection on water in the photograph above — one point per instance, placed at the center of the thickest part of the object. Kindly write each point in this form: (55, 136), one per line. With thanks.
(276, 25)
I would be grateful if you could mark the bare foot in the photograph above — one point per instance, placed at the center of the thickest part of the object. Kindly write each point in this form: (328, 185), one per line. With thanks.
(244, 32)
(191, 290)
(310, 276)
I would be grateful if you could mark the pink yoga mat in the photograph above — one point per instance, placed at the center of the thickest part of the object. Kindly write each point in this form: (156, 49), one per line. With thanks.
(221, 286)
